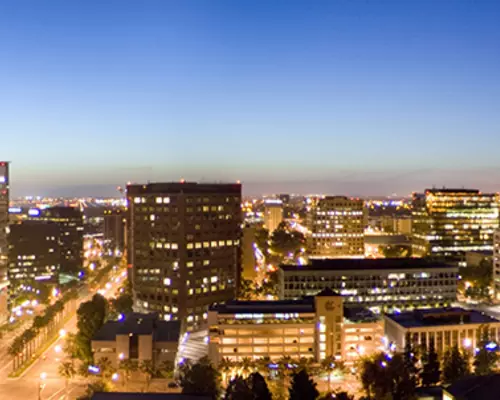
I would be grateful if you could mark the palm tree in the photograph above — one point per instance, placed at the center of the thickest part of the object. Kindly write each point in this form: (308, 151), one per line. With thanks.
(226, 367)
(327, 367)
(148, 368)
(67, 371)
(262, 365)
(128, 366)
(106, 367)
(246, 365)
(167, 369)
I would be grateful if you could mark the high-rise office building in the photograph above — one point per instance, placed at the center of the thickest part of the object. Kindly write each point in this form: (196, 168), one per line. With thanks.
(496, 265)
(183, 247)
(446, 223)
(114, 229)
(4, 224)
(70, 222)
(336, 225)
(34, 253)
(4, 218)
(273, 214)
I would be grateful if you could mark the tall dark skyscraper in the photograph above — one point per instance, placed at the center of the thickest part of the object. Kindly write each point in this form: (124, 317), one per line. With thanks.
(184, 247)
(114, 229)
(70, 222)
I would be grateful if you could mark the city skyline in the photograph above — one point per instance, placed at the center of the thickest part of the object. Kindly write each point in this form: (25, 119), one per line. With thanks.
(353, 98)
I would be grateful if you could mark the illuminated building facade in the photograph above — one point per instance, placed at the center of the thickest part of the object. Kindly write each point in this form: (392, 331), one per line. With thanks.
(336, 226)
(496, 265)
(313, 328)
(70, 222)
(4, 224)
(273, 214)
(446, 327)
(379, 284)
(184, 247)
(34, 253)
(248, 259)
(4, 218)
(449, 222)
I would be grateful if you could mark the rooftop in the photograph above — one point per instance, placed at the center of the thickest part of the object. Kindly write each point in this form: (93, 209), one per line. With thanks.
(476, 388)
(305, 305)
(440, 316)
(140, 324)
(184, 187)
(451, 190)
(342, 264)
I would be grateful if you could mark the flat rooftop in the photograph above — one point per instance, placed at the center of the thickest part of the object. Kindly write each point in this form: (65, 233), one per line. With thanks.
(342, 264)
(183, 187)
(440, 316)
(145, 396)
(305, 305)
(140, 324)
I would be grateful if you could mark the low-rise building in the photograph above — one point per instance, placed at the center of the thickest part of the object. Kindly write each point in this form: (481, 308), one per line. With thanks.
(445, 327)
(380, 284)
(476, 258)
(314, 327)
(138, 337)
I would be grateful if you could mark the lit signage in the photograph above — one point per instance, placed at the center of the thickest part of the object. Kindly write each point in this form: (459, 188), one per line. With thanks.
(15, 210)
(34, 212)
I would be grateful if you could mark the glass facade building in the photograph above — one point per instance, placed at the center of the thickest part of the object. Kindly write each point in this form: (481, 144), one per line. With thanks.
(446, 223)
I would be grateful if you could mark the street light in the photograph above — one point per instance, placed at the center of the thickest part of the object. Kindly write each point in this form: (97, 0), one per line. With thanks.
(62, 333)
(41, 384)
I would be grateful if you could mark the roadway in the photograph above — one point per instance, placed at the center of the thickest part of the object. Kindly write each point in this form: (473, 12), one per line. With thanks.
(27, 386)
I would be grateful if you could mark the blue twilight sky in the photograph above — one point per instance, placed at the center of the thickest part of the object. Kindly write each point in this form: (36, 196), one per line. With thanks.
(340, 96)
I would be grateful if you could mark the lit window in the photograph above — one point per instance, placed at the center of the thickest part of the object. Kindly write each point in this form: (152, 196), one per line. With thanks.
(137, 200)
(190, 245)
(159, 200)
(174, 246)
(167, 281)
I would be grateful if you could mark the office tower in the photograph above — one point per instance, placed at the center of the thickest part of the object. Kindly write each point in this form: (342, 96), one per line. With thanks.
(183, 247)
(381, 284)
(248, 260)
(496, 265)
(273, 214)
(34, 253)
(114, 229)
(4, 224)
(70, 222)
(336, 226)
(4, 218)
(449, 222)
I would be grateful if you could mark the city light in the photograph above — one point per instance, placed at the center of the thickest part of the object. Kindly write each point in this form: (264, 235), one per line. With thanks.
(58, 349)
(43, 376)
(94, 369)
(114, 377)
(120, 317)
(467, 342)
(121, 356)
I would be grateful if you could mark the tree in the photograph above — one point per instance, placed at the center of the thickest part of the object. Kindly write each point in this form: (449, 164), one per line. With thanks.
(67, 371)
(167, 369)
(90, 318)
(246, 365)
(486, 357)
(285, 242)
(226, 367)
(303, 387)
(455, 365)
(387, 377)
(238, 389)
(258, 386)
(128, 366)
(123, 304)
(71, 347)
(246, 290)
(328, 366)
(431, 372)
(411, 360)
(106, 368)
(148, 368)
(200, 378)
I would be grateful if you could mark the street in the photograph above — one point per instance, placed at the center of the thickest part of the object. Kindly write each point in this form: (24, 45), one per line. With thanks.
(53, 386)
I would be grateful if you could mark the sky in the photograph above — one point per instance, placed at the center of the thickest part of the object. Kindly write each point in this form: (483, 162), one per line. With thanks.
(342, 97)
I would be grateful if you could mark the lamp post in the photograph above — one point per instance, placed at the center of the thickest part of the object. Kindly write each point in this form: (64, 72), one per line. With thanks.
(41, 384)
